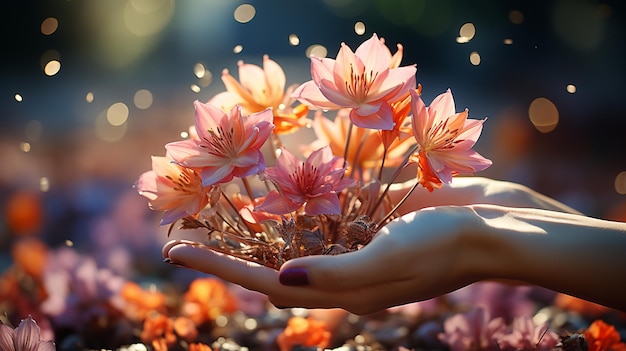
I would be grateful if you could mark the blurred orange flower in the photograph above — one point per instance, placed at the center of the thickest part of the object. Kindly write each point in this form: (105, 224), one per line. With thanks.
(158, 331)
(603, 337)
(199, 347)
(24, 212)
(207, 299)
(581, 306)
(185, 328)
(305, 332)
(30, 255)
(141, 302)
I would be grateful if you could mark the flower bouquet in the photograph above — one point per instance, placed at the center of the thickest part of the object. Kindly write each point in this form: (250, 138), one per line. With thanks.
(260, 201)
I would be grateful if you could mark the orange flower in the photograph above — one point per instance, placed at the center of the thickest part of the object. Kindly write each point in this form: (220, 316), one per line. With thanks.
(141, 302)
(185, 328)
(30, 255)
(199, 347)
(581, 306)
(603, 337)
(207, 299)
(158, 330)
(24, 212)
(305, 332)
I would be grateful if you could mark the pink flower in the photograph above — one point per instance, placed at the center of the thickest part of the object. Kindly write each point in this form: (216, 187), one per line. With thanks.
(445, 140)
(526, 336)
(174, 189)
(261, 88)
(363, 80)
(313, 183)
(228, 145)
(23, 338)
(472, 331)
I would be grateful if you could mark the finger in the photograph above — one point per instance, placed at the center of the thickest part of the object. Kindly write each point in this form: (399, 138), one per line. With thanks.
(247, 274)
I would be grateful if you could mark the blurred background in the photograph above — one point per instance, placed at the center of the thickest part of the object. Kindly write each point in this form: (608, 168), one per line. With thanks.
(89, 90)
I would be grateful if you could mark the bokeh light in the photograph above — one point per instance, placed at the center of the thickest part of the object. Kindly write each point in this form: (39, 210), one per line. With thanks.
(117, 114)
(44, 184)
(620, 183)
(316, 50)
(294, 40)
(244, 13)
(18, 97)
(143, 99)
(25, 146)
(238, 49)
(466, 33)
(543, 114)
(508, 41)
(516, 16)
(474, 58)
(52, 67)
(195, 88)
(49, 26)
(199, 71)
(571, 88)
(106, 131)
(89, 97)
(359, 28)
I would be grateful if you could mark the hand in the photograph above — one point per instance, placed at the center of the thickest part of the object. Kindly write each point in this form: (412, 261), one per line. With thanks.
(360, 282)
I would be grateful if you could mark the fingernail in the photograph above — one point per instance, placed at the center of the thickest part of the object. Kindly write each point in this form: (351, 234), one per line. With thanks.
(174, 263)
(294, 277)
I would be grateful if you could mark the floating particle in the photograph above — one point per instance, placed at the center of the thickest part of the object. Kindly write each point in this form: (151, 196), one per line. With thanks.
(359, 28)
(466, 33)
(44, 184)
(543, 114)
(237, 49)
(316, 50)
(571, 88)
(516, 17)
(244, 13)
(52, 67)
(143, 99)
(294, 40)
(49, 26)
(25, 146)
(184, 134)
(620, 183)
(117, 114)
(474, 58)
(18, 97)
(199, 71)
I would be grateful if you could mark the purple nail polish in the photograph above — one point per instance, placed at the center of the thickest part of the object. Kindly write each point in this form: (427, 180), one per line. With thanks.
(294, 277)
(174, 263)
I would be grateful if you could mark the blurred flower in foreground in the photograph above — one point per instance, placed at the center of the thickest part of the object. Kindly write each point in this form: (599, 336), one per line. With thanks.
(173, 189)
(259, 89)
(603, 337)
(445, 140)
(472, 331)
(158, 331)
(228, 146)
(306, 332)
(23, 338)
(207, 299)
(525, 335)
(314, 182)
(363, 80)
(141, 302)
(80, 295)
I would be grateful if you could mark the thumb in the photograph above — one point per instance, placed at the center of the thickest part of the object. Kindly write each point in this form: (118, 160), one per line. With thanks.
(352, 270)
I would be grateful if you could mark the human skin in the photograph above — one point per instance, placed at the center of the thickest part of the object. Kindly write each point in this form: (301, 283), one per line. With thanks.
(479, 229)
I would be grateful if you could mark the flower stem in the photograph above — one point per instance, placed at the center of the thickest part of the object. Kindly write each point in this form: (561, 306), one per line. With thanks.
(246, 185)
(393, 210)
